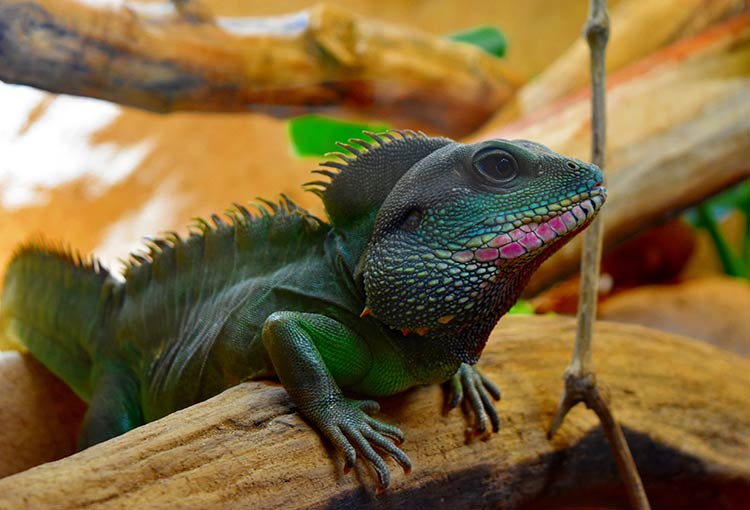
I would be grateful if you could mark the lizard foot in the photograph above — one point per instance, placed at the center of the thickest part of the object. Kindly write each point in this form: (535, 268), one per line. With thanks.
(351, 429)
(478, 391)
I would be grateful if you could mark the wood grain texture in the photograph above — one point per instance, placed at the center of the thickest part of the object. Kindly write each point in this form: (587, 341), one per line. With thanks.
(153, 57)
(684, 406)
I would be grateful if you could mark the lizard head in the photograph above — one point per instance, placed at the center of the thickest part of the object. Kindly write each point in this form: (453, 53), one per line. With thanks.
(458, 236)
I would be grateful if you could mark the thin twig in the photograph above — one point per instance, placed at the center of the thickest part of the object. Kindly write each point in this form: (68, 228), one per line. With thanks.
(580, 379)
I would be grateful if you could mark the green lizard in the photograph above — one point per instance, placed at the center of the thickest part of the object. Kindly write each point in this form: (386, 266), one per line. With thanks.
(429, 243)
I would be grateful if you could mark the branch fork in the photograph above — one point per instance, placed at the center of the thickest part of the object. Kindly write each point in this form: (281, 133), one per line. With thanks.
(580, 379)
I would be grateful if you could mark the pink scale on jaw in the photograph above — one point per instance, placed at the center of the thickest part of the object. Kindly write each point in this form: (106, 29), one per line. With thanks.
(511, 251)
(530, 242)
(578, 212)
(463, 256)
(486, 254)
(557, 225)
(517, 234)
(569, 220)
(499, 240)
(545, 232)
(525, 228)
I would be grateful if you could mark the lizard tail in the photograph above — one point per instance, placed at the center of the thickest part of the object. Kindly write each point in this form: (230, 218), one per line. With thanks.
(55, 304)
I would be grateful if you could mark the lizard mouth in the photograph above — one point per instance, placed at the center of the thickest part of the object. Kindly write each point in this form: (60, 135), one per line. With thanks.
(528, 232)
(562, 219)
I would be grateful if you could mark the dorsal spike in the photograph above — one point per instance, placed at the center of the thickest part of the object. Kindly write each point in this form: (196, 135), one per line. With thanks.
(273, 206)
(334, 164)
(172, 236)
(289, 206)
(202, 225)
(243, 210)
(152, 246)
(161, 243)
(349, 148)
(316, 183)
(217, 220)
(327, 173)
(262, 211)
(345, 157)
(361, 143)
(233, 215)
(362, 183)
(375, 136)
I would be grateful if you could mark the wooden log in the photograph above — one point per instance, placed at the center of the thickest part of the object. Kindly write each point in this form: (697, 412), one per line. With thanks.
(639, 28)
(713, 309)
(679, 123)
(39, 415)
(684, 405)
(154, 57)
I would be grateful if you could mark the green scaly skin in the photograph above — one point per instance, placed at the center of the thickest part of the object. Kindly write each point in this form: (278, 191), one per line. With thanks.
(429, 243)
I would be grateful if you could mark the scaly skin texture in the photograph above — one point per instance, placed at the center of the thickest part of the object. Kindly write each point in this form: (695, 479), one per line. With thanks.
(429, 243)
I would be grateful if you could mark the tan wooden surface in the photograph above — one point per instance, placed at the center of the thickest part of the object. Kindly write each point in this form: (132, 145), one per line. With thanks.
(39, 415)
(712, 309)
(684, 406)
(154, 57)
(638, 28)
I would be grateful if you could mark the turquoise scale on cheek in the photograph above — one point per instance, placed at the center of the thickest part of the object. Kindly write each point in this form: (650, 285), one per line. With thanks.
(443, 280)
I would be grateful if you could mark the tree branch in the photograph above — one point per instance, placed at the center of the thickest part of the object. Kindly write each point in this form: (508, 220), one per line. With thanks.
(580, 379)
(248, 447)
(154, 57)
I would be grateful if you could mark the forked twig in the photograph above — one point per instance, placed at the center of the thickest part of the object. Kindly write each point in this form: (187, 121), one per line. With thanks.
(580, 379)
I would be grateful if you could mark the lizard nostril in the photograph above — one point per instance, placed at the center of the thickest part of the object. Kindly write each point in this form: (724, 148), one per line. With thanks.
(572, 165)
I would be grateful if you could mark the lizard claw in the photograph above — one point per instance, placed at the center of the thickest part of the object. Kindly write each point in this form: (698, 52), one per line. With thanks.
(468, 385)
(354, 432)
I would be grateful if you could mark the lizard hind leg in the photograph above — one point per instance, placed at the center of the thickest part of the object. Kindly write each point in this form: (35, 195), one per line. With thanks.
(114, 407)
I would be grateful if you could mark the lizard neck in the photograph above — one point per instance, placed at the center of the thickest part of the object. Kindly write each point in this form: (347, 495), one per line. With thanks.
(466, 335)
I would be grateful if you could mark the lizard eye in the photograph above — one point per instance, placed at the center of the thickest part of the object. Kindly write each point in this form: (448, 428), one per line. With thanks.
(496, 166)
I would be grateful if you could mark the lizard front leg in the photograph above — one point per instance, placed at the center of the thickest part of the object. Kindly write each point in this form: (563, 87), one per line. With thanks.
(468, 383)
(314, 356)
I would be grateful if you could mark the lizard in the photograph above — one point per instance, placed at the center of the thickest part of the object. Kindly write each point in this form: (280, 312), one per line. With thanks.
(428, 243)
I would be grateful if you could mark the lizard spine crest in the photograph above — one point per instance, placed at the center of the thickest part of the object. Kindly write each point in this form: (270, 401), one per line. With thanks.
(260, 237)
(360, 179)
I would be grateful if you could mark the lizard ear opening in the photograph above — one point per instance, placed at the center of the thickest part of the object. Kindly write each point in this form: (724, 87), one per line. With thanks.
(412, 220)
(363, 178)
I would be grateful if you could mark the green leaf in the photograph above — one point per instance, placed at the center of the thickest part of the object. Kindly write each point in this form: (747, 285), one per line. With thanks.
(522, 307)
(315, 135)
(490, 39)
(708, 216)
(731, 264)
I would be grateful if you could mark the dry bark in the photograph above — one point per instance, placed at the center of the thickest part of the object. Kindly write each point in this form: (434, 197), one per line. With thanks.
(640, 27)
(686, 412)
(679, 122)
(155, 57)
